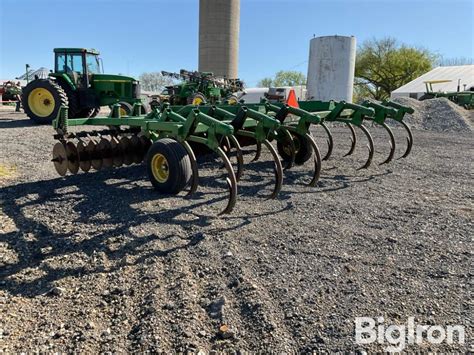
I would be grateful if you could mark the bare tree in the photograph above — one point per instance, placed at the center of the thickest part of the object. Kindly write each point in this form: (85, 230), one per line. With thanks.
(446, 62)
(154, 81)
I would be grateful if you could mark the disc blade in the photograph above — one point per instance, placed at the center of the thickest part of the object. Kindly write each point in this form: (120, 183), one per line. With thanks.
(117, 154)
(60, 158)
(94, 155)
(105, 149)
(126, 146)
(72, 157)
(135, 149)
(84, 161)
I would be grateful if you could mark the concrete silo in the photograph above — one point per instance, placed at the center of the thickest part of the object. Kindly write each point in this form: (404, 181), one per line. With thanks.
(331, 68)
(219, 22)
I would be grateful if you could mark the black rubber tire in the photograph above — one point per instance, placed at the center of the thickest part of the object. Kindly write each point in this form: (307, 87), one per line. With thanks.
(197, 96)
(88, 112)
(127, 107)
(232, 100)
(95, 112)
(145, 109)
(74, 110)
(304, 150)
(179, 166)
(59, 95)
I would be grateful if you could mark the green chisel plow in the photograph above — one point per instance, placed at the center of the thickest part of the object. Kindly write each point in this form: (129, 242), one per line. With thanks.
(168, 139)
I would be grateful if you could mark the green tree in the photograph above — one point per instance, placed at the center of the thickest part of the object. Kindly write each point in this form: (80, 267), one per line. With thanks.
(283, 78)
(384, 65)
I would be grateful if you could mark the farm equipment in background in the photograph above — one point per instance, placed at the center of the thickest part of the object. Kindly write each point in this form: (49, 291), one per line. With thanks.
(199, 88)
(462, 98)
(10, 93)
(78, 82)
(167, 138)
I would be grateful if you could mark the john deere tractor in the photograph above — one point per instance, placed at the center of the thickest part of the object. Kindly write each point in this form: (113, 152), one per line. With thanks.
(199, 88)
(78, 82)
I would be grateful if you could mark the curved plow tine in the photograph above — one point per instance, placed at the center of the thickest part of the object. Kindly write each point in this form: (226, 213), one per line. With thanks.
(330, 141)
(258, 153)
(317, 161)
(370, 146)
(231, 182)
(353, 140)
(292, 147)
(392, 144)
(240, 156)
(194, 167)
(278, 169)
(409, 140)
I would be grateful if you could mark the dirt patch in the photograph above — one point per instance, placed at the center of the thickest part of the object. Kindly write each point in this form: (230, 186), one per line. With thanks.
(99, 262)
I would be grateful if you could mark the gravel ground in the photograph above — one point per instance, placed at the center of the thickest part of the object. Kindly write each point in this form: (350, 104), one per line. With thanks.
(100, 262)
(439, 115)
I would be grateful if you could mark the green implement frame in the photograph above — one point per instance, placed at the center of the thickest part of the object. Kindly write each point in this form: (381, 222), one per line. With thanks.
(165, 138)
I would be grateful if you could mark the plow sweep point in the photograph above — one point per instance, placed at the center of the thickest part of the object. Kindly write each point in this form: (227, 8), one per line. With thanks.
(317, 161)
(233, 142)
(353, 140)
(392, 144)
(409, 140)
(194, 168)
(330, 141)
(278, 169)
(370, 146)
(258, 153)
(231, 183)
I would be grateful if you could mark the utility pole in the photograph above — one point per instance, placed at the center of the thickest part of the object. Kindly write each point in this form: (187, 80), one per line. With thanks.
(27, 75)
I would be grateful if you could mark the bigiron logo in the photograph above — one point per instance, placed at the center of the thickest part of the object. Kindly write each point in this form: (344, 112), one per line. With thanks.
(370, 330)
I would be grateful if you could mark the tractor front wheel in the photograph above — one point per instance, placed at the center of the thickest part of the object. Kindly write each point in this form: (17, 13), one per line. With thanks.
(168, 166)
(125, 108)
(42, 99)
(198, 99)
(302, 146)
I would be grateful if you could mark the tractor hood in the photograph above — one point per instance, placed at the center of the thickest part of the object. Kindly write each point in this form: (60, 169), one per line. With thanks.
(113, 78)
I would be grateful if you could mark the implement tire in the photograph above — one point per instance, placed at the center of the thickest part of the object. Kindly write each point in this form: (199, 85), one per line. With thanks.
(168, 166)
(303, 149)
(42, 99)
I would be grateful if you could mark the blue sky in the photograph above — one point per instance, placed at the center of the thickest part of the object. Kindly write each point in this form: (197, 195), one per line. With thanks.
(153, 35)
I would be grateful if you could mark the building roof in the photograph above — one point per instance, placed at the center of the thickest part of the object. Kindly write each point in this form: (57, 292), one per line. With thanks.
(452, 73)
(41, 72)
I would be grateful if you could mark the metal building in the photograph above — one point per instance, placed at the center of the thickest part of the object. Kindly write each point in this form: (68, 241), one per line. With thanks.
(331, 68)
(462, 75)
(219, 22)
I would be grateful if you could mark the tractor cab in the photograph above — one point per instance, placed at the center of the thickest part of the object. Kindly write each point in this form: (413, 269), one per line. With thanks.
(78, 64)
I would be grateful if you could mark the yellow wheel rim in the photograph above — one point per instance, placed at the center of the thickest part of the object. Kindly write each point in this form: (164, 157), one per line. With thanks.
(41, 102)
(197, 101)
(232, 101)
(160, 168)
(123, 112)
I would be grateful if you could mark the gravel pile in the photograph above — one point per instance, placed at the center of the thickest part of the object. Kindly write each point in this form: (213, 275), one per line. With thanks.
(440, 115)
(100, 262)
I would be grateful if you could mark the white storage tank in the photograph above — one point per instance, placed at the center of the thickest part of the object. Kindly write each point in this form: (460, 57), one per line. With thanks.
(331, 68)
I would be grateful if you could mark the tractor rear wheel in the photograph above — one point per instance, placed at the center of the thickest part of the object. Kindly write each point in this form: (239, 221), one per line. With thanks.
(42, 99)
(95, 112)
(88, 112)
(168, 166)
(302, 146)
